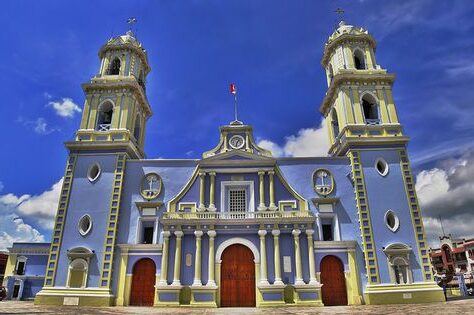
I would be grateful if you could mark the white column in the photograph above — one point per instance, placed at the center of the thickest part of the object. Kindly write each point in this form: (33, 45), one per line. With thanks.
(299, 274)
(261, 205)
(164, 258)
(177, 258)
(312, 269)
(211, 264)
(272, 205)
(263, 257)
(202, 206)
(197, 260)
(276, 256)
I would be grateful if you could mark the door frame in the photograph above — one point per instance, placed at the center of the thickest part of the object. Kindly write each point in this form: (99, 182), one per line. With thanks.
(218, 263)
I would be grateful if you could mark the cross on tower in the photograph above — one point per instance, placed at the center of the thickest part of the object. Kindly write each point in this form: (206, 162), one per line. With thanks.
(131, 21)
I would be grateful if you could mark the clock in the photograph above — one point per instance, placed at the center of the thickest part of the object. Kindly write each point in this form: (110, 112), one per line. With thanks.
(236, 142)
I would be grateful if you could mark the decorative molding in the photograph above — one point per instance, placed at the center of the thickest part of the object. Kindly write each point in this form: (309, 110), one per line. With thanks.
(237, 240)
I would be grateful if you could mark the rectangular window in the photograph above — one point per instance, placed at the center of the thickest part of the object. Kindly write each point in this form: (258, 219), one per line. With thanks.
(20, 270)
(237, 200)
(327, 232)
(146, 232)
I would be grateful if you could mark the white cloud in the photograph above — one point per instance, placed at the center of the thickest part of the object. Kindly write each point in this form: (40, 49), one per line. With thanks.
(39, 126)
(42, 207)
(1, 186)
(15, 230)
(307, 142)
(65, 108)
(448, 192)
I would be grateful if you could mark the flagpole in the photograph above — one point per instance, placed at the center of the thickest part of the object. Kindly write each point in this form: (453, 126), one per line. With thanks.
(235, 106)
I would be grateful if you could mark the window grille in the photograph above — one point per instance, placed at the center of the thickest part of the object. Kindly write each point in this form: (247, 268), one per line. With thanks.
(237, 200)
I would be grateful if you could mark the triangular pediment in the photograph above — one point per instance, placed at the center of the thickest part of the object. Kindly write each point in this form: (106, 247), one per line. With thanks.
(237, 157)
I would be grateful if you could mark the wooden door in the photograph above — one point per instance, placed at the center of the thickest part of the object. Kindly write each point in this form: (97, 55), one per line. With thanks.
(143, 283)
(237, 277)
(333, 280)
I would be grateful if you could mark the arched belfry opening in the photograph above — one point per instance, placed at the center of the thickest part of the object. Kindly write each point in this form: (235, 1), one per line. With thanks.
(137, 129)
(334, 123)
(114, 68)
(370, 108)
(104, 116)
(359, 60)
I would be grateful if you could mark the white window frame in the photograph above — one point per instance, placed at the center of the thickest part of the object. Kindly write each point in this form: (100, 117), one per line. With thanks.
(248, 185)
(20, 259)
(86, 272)
(138, 235)
(398, 251)
(387, 167)
(397, 221)
(84, 233)
(335, 223)
(93, 179)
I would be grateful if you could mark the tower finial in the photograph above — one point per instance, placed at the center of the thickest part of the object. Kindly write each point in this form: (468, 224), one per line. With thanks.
(131, 21)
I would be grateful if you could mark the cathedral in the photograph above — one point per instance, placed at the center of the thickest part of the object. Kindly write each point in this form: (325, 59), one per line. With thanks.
(237, 227)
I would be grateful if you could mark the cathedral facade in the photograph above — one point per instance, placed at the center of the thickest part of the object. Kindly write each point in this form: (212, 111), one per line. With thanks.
(239, 227)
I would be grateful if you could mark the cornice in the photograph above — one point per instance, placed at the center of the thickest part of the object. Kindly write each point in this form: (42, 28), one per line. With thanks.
(330, 45)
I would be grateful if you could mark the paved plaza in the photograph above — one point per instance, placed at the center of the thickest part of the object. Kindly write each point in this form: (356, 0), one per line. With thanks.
(451, 307)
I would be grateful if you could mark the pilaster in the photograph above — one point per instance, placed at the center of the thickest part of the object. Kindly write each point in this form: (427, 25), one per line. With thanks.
(263, 254)
(272, 205)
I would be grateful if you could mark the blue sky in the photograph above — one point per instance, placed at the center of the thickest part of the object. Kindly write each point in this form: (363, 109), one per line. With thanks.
(270, 49)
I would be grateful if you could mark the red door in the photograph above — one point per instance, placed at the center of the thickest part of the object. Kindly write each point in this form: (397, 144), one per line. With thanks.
(143, 283)
(237, 277)
(333, 280)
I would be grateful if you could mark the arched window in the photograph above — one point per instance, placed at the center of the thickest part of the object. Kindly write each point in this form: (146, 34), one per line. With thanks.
(78, 273)
(400, 270)
(335, 123)
(137, 129)
(398, 256)
(114, 68)
(370, 108)
(330, 73)
(105, 114)
(359, 60)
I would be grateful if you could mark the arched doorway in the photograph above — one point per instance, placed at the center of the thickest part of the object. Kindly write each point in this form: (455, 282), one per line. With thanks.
(334, 283)
(143, 283)
(237, 276)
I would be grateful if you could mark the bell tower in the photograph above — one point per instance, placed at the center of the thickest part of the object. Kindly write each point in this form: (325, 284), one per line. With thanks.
(116, 107)
(358, 105)
(363, 125)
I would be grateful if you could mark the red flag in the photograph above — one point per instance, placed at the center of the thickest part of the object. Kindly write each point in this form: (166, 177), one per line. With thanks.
(233, 90)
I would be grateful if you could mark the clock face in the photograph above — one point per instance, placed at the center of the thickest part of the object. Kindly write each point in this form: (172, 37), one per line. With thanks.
(236, 142)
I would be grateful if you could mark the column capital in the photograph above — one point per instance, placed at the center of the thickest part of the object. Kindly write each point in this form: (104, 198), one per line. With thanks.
(202, 173)
(271, 172)
(178, 234)
(166, 234)
(276, 232)
(211, 233)
(261, 172)
(262, 233)
(296, 232)
(198, 233)
(212, 173)
(309, 232)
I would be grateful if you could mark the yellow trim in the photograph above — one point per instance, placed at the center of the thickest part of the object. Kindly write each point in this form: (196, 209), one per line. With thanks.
(424, 292)
(391, 106)
(59, 222)
(10, 266)
(382, 107)
(354, 292)
(121, 286)
(415, 212)
(112, 223)
(172, 203)
(364, 215)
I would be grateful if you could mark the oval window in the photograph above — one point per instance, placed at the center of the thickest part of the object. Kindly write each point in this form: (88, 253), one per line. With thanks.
(382, 167)
(85, 225)
(94, 172)
(392, 221)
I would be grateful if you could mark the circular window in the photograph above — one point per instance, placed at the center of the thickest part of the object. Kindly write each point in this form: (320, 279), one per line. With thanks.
(392, 221)
(323, 182)
(94, 172)
(151, 186)
(381, 166)
(85, 225)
